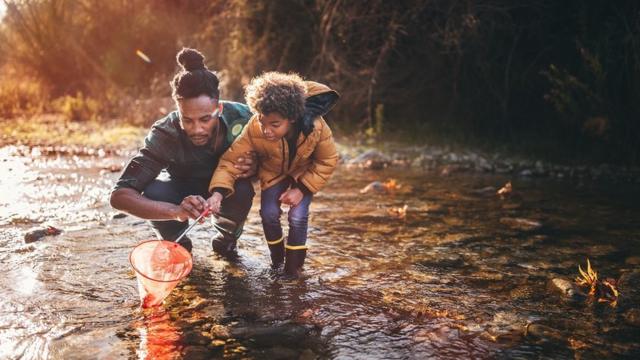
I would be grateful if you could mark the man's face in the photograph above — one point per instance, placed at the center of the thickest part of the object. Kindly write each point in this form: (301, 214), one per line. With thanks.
(198, 117)
(274, 127)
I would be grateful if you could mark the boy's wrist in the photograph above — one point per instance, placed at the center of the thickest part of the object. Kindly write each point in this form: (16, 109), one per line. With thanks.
(220, 191)
(300, 186)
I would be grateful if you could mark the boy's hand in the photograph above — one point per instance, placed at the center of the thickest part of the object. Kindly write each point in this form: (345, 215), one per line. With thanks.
(248, 164)
(215, 202)
(291, 197)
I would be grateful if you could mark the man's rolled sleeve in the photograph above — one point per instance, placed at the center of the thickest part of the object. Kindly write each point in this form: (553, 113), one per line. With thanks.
(143, 168)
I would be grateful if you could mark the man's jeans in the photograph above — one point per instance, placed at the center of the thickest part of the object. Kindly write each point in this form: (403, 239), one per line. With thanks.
(234, 208)
(298, 215)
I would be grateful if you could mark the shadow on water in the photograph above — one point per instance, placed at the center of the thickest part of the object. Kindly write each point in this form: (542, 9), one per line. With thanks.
(463, 275)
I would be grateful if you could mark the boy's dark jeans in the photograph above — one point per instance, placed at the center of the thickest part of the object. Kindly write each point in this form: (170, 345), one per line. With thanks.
(235, 208)
(270, 212)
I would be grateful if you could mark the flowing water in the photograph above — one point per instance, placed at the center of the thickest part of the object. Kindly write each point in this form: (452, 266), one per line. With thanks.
(460, 276)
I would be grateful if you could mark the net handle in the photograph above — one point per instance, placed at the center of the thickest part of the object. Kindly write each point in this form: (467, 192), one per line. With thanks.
(205, 213)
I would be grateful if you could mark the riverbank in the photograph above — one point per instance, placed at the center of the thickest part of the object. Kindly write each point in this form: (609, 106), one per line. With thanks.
(52, 135)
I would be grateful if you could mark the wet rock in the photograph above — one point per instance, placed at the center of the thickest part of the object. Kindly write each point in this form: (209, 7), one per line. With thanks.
(217, 344)
(449, 169)
(37, 234)
(196, 352)
(505, 327)
(220, 332)
(375, 186)
(371, 159)
(279, 352)
(522, 293)
(629, 287)
(113, 168)
(632, 317)
(521, 224)
(119, 215)
(195, 338)
(271, 335)
(307, 354)
(526, 173)
(601, 250)
(632, 260)
(567, 290)
(487, 276)
(485, 191)
(444, 260)
(544, 332)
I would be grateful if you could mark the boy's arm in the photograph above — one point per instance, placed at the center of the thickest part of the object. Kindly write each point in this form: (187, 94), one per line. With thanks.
(226, 173)
(325, 159)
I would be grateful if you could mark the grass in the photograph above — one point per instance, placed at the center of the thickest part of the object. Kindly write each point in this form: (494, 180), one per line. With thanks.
(54, 130)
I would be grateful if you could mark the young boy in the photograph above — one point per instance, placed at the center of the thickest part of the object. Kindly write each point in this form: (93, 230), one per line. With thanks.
(296, 153)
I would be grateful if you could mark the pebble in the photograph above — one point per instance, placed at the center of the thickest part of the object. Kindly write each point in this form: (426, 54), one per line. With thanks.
(37, 234)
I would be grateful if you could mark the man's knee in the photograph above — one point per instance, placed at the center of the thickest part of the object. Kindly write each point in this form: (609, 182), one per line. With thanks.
(244, 188)
(162, 191)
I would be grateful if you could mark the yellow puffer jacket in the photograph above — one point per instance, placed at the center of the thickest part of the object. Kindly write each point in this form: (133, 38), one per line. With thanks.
(315, 160)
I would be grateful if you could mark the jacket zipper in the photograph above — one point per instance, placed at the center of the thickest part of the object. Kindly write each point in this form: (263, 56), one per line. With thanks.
(283, 161)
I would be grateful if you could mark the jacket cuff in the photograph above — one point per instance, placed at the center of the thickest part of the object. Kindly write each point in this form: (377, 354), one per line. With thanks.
(302, 187)
(223, 191)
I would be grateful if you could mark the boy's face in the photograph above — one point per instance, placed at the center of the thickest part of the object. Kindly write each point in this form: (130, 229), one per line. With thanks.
(274, 127)
(198, 117)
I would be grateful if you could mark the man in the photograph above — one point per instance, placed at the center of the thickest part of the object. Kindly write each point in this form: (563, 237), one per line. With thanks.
(187, 145)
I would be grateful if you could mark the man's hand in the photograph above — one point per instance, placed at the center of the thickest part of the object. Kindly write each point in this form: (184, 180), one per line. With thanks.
(248, 164)
(291, 197)
(191, 207)
(214, 202)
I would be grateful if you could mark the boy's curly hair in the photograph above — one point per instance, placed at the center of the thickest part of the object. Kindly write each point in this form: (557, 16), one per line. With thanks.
(277, 92)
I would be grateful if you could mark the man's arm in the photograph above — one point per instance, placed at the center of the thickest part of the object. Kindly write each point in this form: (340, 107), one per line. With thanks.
(140, 172)
(131, 201)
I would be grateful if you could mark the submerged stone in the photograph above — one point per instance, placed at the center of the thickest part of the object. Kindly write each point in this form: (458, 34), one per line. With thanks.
(119, 215)
(271, 335)
(568, 290)
(521, 223)
(632, 260)
(37, 234)
(632, 317)
(196, 352)
(195, 338)
(219, 332)
(629, 287)
(544, 332)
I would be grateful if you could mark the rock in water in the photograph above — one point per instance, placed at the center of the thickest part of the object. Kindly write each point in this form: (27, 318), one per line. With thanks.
(375, 186)
(632, 317)
(521, 224)
(629, 287)
(119, 215)
(544, 332)
(566, 289)
(37, 234)
(371, 159)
